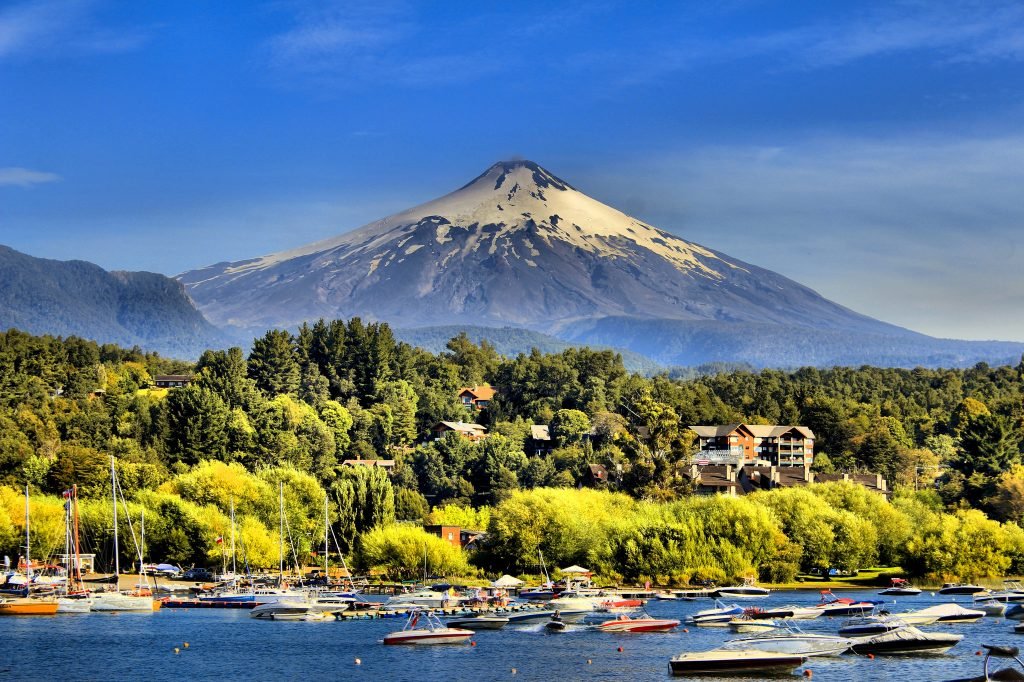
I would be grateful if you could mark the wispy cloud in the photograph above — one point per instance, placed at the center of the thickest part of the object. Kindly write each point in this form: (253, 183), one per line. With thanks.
(55, 27)
(911, 230)
(13, 176)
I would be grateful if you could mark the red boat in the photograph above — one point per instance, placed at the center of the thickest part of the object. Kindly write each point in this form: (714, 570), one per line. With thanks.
(831, 605)
(619, 605)
(627, 624)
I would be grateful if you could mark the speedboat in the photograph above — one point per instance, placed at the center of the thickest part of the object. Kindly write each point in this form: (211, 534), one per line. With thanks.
(284, 609)
(831, 605)
(792, 612)
(613, 605)
(1011, 593)
(478, 622)
(913, 617)
(627, 624)
(870, 625)
(423, 627)
(793, 641)
(716, 617)
(424, 598)
(747, 624)
(907, 640)
(900, 588)
(748, 590)
(733, 662)
(667, 596)
(527, 616)
(1015, 612)
(951, 613)
(991, 608)
(961, 588)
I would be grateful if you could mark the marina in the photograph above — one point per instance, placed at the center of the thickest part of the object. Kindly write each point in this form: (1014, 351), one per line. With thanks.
(228, 644)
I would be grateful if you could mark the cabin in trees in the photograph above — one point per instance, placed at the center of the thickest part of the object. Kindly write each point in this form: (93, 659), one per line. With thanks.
(172, 380)
(463, 538)
(476, 398)
(473, 432)
(540, 439)
(739, 444)
(387, 465)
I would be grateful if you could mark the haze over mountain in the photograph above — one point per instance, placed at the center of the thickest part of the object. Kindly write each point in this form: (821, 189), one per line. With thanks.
(519, 246)
(66, 298)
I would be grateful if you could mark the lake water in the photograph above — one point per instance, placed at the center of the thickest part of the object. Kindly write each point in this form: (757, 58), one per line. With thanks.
(229, 645)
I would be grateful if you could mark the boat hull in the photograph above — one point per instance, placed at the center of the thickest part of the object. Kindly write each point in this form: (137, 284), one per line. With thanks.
(962, 589)
(113, 601)
(639, 625)
(28, 607)
(901, 592)
(743, 663)
(443, 636)
(807, 645)
(485, 623)
(907, 641)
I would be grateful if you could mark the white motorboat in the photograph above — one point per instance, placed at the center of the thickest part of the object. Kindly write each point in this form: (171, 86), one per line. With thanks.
(716, 617)
(645, 624)
(423, 627)
(424, 598)
(733, 661)
(831, 605)
(793, 641)
(748, 590)
(790, 612)
(906, 641)
(746, 624)
(951, 613)
(870, 625)
(961, 588)
(913, 617)
(900, 588)
(1012, 593)
(479, 621)
(285, 609)
(992, 608)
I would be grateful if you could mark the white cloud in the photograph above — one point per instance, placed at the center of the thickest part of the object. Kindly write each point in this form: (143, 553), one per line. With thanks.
(53, 27)
(23, 177)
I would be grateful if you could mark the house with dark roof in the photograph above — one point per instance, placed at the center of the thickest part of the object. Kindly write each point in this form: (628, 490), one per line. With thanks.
(540, 442)
(386, 464)
(172, 380)
(477, 397)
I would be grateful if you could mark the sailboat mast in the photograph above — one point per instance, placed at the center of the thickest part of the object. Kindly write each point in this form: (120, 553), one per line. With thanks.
(280, 550)
(78, 561)
(234, 567)
(142, 544)
(113, 499)
(327, 529)
(28, 550)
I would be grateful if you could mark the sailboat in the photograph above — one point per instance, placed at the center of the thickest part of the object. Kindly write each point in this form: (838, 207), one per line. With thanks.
(139, 600)
(74, 598)
(281, 603)
(28, 606)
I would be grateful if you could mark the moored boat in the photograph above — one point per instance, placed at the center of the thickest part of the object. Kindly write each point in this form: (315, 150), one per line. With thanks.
(746, 624)
(961, 588)
(1015, 612)
(831, 605)
(793, 641)
(748, 590)
(900, 587)
(907, 640)
(27, 606)
(791, 612)
(479, 622)
(951, 613)
(627, 624)
(870, 625)
(991, 608)
(733, 662)
(423, 627)
(716, 617)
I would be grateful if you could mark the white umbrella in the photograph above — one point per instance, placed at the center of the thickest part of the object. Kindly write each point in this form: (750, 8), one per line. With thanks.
(506, 581)
(574, 569)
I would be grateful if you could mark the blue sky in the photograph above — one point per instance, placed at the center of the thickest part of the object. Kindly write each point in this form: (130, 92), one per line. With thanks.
(873, 151)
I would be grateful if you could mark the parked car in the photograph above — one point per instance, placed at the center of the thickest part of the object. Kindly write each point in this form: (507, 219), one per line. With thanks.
(198, 575)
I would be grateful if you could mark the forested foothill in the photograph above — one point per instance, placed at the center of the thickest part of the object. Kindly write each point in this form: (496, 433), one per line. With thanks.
(299, 405)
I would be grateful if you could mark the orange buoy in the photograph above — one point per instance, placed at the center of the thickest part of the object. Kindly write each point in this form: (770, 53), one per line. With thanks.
(472, 643)
(186, 645)
(808, 674)
(871, 657)
(620, 649)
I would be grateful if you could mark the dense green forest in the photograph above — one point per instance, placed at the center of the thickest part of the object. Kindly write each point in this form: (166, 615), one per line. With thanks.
(949, 442)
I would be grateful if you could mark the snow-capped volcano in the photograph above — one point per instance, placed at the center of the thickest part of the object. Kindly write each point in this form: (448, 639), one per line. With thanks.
(516, 246)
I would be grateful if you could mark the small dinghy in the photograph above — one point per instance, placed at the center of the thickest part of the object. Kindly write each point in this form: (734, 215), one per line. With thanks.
(648, 624)
(900, 588)
(733, 662)
(907, 641)
(423, 627)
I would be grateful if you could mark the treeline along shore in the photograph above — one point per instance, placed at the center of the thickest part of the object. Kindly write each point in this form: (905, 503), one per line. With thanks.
(341, 411)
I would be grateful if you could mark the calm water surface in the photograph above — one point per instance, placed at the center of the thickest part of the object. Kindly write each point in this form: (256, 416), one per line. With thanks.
(229, 645)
